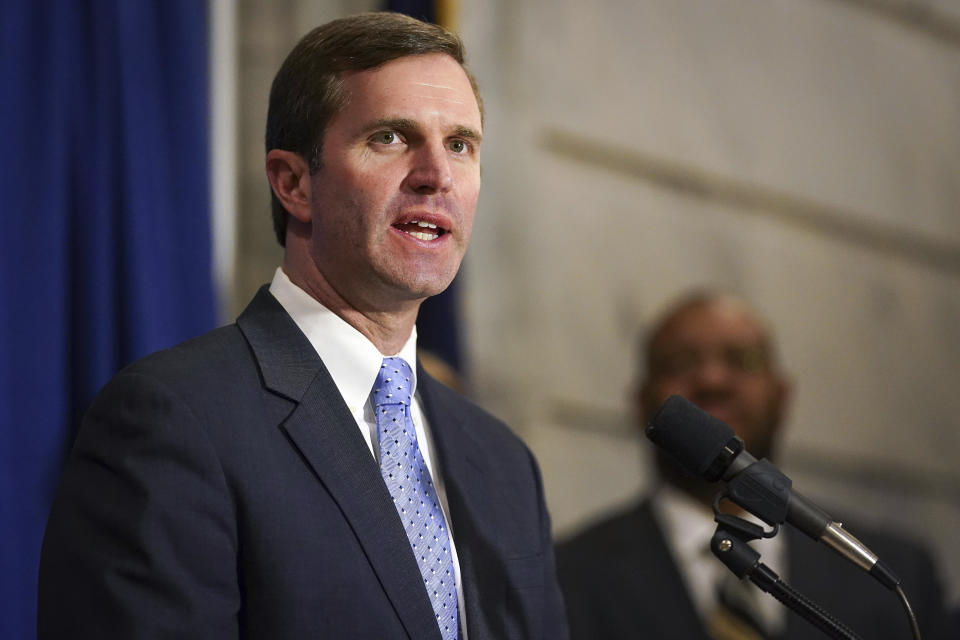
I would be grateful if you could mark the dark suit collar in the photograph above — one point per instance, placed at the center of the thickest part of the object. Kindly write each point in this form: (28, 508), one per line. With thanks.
(288, 362)
(462, 458)
(449, 426)
(322, 428)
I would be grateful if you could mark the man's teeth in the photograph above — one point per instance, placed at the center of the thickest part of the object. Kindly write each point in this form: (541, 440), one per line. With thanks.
(426, 236)
(420, 235)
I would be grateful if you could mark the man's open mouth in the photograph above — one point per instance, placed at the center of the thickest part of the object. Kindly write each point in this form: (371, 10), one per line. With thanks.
(420, 230)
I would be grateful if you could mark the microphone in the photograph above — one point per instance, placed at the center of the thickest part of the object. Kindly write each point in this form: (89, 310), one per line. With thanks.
(708, 449)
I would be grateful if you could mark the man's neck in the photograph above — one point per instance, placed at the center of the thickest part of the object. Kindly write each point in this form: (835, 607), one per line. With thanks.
(388, 330)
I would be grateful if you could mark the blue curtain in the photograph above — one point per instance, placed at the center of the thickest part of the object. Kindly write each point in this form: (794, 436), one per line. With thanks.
(104, 234)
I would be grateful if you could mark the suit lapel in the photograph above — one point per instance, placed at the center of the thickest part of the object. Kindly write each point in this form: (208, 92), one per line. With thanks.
(325, 433)
(462, 466)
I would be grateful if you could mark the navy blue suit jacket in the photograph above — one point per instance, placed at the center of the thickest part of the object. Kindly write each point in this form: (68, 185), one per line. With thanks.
(620, 582)
(221, 489)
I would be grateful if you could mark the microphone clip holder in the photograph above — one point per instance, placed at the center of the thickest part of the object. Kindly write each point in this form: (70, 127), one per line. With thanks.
(729, 542)
(730, 545)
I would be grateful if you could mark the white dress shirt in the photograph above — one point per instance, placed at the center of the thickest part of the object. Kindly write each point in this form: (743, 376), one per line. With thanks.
(688, 526)
(354, 363)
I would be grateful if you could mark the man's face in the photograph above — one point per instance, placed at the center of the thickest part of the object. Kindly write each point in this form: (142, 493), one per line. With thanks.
(393, 202)
(717, 356)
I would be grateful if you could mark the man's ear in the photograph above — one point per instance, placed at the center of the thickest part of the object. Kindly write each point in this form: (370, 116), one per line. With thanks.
(289, 177)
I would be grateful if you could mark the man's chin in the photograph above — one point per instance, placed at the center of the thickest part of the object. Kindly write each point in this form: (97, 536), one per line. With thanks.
(426, 281)
(722, 412)
(413, 289)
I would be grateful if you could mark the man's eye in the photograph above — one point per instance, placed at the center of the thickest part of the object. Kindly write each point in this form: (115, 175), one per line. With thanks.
(748, 359)
(458, 146)
(385, 137)
(679, 363)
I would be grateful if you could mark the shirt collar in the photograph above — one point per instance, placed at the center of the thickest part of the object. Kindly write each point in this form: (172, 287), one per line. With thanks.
(352, 360)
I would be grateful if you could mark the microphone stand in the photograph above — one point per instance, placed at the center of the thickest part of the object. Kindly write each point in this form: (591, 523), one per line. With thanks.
(729, 544)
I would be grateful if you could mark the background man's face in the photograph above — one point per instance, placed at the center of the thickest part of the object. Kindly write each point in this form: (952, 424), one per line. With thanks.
(394, 199)
(717, 356)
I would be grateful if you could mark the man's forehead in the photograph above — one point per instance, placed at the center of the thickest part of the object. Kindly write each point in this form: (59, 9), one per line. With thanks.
(432, 71)
(722, 314)
(712, 322)
(436, 77)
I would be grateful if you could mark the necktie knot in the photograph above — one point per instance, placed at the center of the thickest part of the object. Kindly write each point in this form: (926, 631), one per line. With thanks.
(394, 383)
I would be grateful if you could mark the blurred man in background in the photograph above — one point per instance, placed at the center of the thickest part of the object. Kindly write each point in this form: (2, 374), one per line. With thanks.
(649, 571)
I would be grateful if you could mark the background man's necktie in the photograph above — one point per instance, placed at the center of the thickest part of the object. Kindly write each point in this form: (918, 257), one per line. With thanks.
(414, 496)
(734, 617)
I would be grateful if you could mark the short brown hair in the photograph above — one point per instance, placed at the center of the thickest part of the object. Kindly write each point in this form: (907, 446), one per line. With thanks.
(308, 89)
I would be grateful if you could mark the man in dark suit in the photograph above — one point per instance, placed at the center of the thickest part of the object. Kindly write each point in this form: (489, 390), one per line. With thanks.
(648, 572)
(280, 477)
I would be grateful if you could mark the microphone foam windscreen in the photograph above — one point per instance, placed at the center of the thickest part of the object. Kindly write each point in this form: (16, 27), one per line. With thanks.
(691, 435)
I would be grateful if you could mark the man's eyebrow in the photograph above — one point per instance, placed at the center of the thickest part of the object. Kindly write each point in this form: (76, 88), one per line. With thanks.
(468, 133)
(403, 124)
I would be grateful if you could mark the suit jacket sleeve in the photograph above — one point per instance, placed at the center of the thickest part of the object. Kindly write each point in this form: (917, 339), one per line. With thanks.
(141, 540)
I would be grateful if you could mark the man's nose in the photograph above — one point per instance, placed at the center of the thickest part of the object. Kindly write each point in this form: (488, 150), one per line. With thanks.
(713, 372)
(430, 172)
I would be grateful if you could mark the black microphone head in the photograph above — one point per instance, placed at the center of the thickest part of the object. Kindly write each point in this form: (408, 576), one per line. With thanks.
(702, 444)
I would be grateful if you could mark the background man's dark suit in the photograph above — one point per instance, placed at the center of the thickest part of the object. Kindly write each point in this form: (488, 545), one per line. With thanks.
(620, 581)
(228, 493)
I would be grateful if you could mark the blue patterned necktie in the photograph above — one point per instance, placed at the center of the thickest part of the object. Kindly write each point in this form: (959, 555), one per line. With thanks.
(410, 485)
